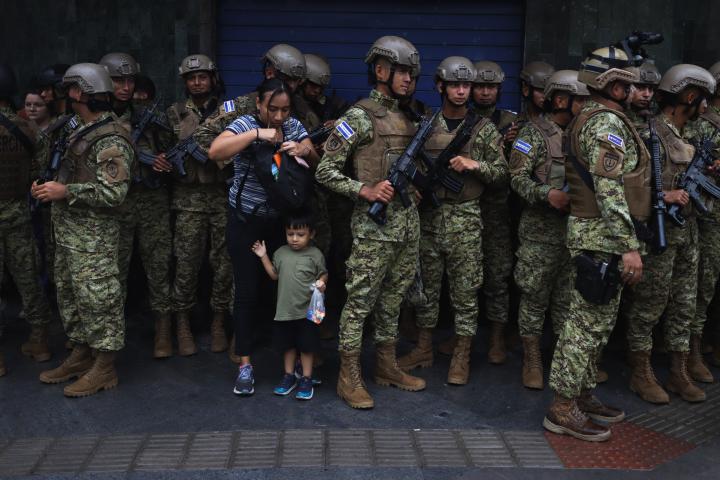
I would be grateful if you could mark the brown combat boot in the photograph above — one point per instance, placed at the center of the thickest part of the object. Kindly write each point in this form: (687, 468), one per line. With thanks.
(532, 371)
(679, 381)
(163, 340)
(591, 406)
(643, 381)
(497, 353)
(447, 347)
(387, 371)
(3, 371)
(101, 376)
(350, 385)
(459, 371)
(231, 352)
(218, 339)
(37, 345)
(422, 355)
(76, 364)
(186, 342)
(565, 418)
(696, 364)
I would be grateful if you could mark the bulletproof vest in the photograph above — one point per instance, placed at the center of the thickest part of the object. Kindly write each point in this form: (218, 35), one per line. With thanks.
(75, 167)
(552, 171)
(439, 139)
(712, 117)
(677, 158)
(636, 184)
(15, 161)
(304, 112)
(392, 131)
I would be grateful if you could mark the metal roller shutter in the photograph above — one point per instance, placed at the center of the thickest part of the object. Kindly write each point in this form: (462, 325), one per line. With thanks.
(343, 32)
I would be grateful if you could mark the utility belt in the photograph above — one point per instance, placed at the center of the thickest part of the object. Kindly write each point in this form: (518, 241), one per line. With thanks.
(598, 282)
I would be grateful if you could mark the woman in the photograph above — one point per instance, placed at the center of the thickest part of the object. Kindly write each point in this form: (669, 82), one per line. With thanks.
(252, 217)
(37, 110)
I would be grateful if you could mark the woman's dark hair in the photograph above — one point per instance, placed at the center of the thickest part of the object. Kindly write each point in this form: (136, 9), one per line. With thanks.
(35, 91)
(300, 219)
(276, 87)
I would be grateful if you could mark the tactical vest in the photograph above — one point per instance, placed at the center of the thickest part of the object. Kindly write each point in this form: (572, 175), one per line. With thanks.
(636, 184)
(197, 173)
(75, 167)
(552, 171)
(677, 158)
(15, 162)
(392, 131)
(712, 117)
(439, 139)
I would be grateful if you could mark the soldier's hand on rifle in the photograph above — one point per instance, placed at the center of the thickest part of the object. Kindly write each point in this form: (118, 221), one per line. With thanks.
(511, 134)
(715, 167)
(161, 165)
(679, 197)
(559, 200)
(270, 135)
(418, 197)
(48, 191)
(632, 267)
(462, 164)
(380, 192)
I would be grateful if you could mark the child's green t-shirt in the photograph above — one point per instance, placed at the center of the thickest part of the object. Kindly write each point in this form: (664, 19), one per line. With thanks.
(297, 271)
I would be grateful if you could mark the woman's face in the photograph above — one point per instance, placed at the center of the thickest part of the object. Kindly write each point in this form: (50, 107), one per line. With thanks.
(274, 112)
(36, 109)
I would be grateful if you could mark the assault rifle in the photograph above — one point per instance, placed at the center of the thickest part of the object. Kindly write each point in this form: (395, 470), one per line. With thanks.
(659, 207)
(694, 181)
(403, 171)
(188, 147)
(320, 134)
(56, 155)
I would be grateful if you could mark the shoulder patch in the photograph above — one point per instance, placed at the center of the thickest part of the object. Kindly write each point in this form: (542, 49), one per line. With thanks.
(229, 106)
(333, 143)
(345, 130)
(73, 123)
(522, 146)
(614, 139)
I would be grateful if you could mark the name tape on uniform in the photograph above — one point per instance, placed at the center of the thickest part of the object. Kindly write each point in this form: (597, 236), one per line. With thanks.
(523, 147)
(345, 130)
(614, 139)
(229, 106)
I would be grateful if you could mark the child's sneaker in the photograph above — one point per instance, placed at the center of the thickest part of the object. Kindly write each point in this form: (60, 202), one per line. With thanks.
(287, 385)
(305, 389)
(245, 381)
(299, 374)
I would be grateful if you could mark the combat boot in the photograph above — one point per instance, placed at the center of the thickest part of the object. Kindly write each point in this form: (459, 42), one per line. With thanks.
(679, 381)
(447, 347)
(422, 355)
(591, 406)
(163, 340)
(532, 370)
(497, 353)
(350, 385)
(186, 342)
(388, 373)
(459, 372)
(37, 345)
(696, 364)
(643, 381)
(3, 371)
(565, 418)
(101, 376)
(236, 359)
(218, 339)
(76, 364)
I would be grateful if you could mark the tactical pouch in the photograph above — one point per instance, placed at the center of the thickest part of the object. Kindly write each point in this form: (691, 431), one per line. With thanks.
(597, 282)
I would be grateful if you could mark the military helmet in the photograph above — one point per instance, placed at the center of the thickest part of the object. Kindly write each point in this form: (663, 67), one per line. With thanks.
(196, 63)
(120, 64)
(90, 77)
(677, 78)
(536, 74)
(8, 82)
(606, 65)
(488, 72)
(286, 59)
(715, 72)
(317, 70)
(647, 72)
(456, 69)
(565, 81)
(397, 50)
(51, 75)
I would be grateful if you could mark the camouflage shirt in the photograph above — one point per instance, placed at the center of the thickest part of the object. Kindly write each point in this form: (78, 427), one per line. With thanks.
(216, 123)
(498, 193)
(700, 130)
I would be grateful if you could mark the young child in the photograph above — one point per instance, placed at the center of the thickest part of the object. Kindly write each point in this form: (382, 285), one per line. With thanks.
(296, 267)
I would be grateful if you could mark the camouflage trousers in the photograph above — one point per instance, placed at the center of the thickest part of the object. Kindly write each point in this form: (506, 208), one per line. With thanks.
(379, 273)
(146, 216)
(451, 241)
(497, 260)
(542, 274)
(323, 234)
(193, 230)
(19, 253)
(709, 271)
(90, 298)
(669, 284)
(583, 335)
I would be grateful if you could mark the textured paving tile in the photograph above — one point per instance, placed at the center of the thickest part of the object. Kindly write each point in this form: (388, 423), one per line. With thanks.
(115, 454)
(440, 448)
(302, 448)
(67, 455)
(21, 456)
(255, 449)
(486, 448)
(349, 448)
(209, 451)
(162, 452)
(531, 450)
(394, 448)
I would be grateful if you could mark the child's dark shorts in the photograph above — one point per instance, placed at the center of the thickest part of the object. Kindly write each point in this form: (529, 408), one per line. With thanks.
(302, 335)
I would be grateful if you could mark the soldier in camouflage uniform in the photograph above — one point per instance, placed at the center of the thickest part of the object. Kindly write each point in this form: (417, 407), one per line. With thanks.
(609, 180)
(543, 268)
(313, 90)
(145, 213)
(21, 151)
(92, 182)
(641, 96)
(451, 235)
(670, 278)
(383, 260)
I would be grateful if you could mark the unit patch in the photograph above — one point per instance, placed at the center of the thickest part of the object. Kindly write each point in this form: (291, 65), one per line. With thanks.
(522, 146)
(614, 139)
(345, 130)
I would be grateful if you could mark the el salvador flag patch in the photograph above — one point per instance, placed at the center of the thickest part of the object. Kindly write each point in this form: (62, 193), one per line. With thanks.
(616, 140)
(522, 146)
(229, 106)
(345, 130)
